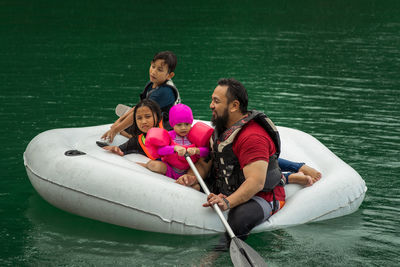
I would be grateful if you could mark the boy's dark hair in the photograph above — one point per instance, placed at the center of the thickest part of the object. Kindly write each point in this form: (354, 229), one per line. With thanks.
(169, 59)
(155, 109)
(236, 91)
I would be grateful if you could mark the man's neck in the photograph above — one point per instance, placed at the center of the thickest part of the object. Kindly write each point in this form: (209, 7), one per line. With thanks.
(235, 117)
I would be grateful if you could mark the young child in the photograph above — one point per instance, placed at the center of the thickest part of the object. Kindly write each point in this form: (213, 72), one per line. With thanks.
(160, 89)
(171, 146)
(147, 115)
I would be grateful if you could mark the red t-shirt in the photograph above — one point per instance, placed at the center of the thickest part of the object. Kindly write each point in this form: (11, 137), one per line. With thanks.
(252, 144)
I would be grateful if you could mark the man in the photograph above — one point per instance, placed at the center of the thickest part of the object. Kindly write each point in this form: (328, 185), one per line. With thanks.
(243, 172)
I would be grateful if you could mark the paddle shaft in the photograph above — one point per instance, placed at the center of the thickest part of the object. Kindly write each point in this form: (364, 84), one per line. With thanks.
(205, 189)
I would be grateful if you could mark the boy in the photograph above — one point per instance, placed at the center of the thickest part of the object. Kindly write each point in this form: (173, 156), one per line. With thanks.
(161, 89)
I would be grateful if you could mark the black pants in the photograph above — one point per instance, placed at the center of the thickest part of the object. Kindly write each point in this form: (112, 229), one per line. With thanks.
(244, 218)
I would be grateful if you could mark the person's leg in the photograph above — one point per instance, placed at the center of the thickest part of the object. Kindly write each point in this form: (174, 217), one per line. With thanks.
(174, 173)
(286, 175)
(299, 178)
(157, 166)
(289, 166)
(127, 135)
(307, 170)
(243, 218)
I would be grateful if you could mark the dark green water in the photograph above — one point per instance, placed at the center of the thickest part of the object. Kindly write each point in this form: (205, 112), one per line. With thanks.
(329, 68)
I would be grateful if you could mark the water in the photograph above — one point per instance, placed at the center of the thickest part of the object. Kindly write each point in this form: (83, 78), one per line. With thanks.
(327, 68)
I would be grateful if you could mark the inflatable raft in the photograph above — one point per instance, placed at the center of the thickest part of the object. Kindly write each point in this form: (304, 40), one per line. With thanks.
(71, 172)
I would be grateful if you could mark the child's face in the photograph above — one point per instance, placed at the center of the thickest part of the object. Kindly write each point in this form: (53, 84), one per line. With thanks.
(159, 72)
(144, 119)
(182, 129)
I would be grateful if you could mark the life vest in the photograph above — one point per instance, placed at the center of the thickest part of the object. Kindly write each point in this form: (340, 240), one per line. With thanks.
(226, 176)
(199, 136)
(142, 142)
(165, 110)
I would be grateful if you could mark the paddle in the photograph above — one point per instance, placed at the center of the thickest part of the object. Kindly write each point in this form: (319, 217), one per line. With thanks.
(121, 109)
(241, 253)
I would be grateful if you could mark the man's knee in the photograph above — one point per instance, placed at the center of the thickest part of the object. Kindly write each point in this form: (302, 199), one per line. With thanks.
(245, 217)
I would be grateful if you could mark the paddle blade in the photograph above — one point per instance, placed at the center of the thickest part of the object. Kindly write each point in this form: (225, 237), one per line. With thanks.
(243, 255)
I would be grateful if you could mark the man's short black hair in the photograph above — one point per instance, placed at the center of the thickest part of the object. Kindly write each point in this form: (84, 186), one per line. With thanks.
(236, 91)
(169, 59)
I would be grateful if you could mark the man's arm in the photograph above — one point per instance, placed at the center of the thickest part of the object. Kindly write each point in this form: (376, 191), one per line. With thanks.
(255, 175)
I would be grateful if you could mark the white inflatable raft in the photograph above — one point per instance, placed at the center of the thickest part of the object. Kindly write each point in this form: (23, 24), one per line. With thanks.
(113, 189)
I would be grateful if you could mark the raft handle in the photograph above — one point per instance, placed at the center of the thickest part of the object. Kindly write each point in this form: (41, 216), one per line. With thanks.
(75, 152)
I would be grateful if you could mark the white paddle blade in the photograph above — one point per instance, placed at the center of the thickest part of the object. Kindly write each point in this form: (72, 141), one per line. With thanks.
(121, 109)
(243, 255)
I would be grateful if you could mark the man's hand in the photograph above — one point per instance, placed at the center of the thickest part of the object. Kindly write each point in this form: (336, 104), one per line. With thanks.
(216, 199)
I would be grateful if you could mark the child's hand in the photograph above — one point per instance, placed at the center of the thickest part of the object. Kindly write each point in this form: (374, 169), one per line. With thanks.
(180, 150)
(193, 151)
(109, 135)
(114, 149)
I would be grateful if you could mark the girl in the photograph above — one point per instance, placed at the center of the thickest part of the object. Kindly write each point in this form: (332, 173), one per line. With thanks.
(146, 115)
(173, 145)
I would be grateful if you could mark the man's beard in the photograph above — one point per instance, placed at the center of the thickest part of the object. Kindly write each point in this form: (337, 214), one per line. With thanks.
(220, 122)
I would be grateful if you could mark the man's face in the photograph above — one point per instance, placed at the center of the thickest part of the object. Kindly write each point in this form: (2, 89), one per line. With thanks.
(219, 106)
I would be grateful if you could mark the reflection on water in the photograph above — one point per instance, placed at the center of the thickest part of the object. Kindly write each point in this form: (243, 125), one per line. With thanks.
(334, 242)
(80, 240)
(331, 71)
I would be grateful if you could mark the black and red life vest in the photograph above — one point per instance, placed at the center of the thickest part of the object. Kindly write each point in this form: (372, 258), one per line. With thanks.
(226, 168)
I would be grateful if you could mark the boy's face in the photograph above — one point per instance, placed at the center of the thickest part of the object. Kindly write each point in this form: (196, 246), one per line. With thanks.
(159, 72)
(182, 129)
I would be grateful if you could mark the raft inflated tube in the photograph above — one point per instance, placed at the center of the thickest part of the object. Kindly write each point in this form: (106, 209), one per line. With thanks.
(71, 172)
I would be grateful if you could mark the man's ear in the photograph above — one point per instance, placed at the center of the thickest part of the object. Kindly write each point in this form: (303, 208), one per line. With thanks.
(171, 75)
(235, 106)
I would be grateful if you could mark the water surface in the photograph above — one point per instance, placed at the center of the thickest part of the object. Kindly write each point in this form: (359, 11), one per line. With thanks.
(330, 69)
